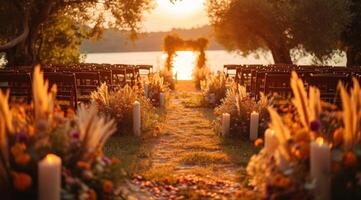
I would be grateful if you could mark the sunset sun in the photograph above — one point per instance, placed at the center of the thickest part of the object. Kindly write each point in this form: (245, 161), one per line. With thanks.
(184, 7)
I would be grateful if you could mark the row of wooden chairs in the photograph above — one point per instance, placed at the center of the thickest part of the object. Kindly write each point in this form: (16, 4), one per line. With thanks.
(74, 84)
(276, 79)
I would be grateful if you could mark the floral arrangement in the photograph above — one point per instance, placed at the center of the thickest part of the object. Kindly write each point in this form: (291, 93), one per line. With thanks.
(155, 87)
(200, 74)
(168, 78)
(214, 89)
(287, 167)
(28, 133)
(240, 106)
(118, 104)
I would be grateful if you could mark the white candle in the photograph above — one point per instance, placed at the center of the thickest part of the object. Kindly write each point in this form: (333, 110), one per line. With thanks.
(136, 118)
(321, 168)
(161, 99)
(212, 98)
(270, 141)
(146, 89)
(226, 120)
(254, 126)
(49, 174)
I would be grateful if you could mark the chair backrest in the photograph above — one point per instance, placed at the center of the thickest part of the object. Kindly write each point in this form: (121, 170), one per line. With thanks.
(19, 85)
(66, 84)
(327, 83)
(86, 83)
(278, 82)
(119, 77)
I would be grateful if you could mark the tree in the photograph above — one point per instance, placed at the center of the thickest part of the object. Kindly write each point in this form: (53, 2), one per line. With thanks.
(23, 21)
(351, 37)
(314, 26)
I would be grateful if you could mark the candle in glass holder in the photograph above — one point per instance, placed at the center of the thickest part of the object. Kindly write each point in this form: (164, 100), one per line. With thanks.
(320, 162)
(161, 100)
(270, 141)
(226, 121)
(49, 175)
(254, 126)
(136, 118)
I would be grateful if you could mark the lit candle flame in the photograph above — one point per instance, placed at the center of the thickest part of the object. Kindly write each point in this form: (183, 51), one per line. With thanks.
(320, 141)
(51, 158)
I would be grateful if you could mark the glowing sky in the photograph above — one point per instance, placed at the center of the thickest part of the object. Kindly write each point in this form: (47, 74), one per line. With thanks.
(181, 14)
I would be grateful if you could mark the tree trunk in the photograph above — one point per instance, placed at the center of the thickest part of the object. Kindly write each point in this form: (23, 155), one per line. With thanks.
(281, 54)
(353, 57)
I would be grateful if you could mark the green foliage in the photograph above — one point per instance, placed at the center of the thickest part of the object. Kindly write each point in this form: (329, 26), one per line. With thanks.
(351, 37)
(26, 21)
(60, 42)
(118, 104)
(311, 25)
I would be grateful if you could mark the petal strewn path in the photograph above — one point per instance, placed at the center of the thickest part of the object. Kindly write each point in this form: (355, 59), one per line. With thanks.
(187, 160)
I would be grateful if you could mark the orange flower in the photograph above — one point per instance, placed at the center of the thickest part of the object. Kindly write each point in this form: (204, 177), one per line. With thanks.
(280, 181)
(31, 131)
(115, 161)
(22, 159)
(349, 160)
(18, 149)
(83, 165)
(92, 195)
(21, 181)
(258, 142)
(107, 186)
(337, 137)
(70, 113)
(335, 167)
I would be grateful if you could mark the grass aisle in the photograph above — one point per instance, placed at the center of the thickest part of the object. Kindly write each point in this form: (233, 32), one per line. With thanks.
(185, 151)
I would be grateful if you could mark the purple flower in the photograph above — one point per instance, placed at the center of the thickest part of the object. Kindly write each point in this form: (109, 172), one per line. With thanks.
(315, 125)
(22, 136)
(106, 160)
(74, 136)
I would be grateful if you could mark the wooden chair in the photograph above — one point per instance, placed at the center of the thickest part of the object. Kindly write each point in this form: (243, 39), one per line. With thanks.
(327, 83)
(278, 82)
(86, 83)
(67, 90)
(19, 85)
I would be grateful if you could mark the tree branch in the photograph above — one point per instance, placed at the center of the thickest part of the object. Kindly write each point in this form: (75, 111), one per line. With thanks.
(19, 38)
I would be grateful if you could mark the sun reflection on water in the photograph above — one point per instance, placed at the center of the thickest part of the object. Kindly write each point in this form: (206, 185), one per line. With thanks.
(183, 64)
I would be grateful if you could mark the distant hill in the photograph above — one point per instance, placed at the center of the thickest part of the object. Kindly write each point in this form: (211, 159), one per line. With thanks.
(118, 41)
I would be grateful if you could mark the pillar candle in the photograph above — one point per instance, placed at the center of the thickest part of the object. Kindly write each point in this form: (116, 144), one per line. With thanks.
(136, 118)
(146, 89)
(161, 100)
(320, 162)
(49, 175)
(254, 126)
(226, 120)
(212, 98)
(270, 141)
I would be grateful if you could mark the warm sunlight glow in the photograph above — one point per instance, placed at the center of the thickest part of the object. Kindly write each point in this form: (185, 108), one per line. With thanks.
(183, 64)
(183, 7)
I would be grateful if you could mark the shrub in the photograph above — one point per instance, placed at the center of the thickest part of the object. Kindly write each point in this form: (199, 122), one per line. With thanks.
(240, 106)
(155, 87)
(214, 89)
(119, 105)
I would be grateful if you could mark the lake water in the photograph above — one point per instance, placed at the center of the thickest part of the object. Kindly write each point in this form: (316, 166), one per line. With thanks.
(184, 61)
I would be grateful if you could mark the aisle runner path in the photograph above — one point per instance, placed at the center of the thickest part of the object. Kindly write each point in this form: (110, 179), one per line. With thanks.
(189, 144)
(189, 160)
